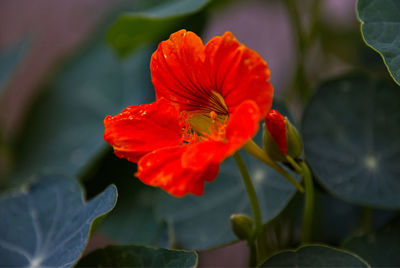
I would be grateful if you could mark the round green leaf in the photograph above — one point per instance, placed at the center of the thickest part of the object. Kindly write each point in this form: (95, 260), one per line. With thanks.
(201, 222)
(346, 217)
(133, 220)
(47, 224)
(380, 24)
(139, 256)
(380, 249)
(315, 256)
(351, 135)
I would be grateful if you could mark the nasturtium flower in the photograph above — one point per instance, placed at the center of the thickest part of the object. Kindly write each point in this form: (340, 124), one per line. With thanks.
(209, 102)
(281, 138)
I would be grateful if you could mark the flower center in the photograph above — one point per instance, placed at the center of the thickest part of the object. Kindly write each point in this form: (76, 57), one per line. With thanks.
(209, 122)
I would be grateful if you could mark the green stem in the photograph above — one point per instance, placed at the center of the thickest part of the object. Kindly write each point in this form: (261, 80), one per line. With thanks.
(253, 253)
(366, 220)
(294, 15)
(300, 80)
(253, 149)
(308, 204)
(294, 164)
(315, 11)
(255, 208)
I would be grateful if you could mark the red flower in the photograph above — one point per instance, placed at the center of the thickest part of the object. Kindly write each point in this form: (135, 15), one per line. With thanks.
(276, 126)
(210, 100)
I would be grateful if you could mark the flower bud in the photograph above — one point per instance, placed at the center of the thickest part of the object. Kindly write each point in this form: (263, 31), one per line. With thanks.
(281, 138)
(242, 226)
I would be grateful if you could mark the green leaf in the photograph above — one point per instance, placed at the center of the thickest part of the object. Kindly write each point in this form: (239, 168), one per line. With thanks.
(151, 22)
(139, 256)
(346, 216)
(380, 249)
(9, 60)
(201, 222)
(64, 131)
(351, 135)
(133, 220)
(380, 23)
(315, 256)
(48, 223)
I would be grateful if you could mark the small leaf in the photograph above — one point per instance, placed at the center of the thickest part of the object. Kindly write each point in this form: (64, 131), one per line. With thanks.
(201, 222)
(147, 24)
(48, 223)
(315, 256)
(380, 23)
(139, 256)
(351, 135)
(380, 249)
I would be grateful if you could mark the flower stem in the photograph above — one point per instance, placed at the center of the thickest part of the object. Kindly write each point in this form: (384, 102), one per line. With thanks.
(258, 236)
(294, 164)
(252, 148)
(253, 253)
(308, 204)
(366, 220)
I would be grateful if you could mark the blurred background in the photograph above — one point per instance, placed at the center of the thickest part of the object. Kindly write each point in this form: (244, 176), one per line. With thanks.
(54, 30)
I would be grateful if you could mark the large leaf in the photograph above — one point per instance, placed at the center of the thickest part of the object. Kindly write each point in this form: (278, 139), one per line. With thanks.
(48, 223)
(379, 249)
(133, 220)
(149, 22)
(315, 256)
(9, 60)
(139, 256)
(351, 135)
(346, 218)
(65, 129)
(201, 222)
(380, 23)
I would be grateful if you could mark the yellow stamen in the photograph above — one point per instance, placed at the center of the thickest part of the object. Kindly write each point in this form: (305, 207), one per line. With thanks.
(213, 116)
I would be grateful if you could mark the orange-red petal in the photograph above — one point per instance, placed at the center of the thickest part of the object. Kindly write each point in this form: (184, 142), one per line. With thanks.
(239, 73)
(188, 73)
(141, 129)
(276, 126)
(163, 168)
(177, 70)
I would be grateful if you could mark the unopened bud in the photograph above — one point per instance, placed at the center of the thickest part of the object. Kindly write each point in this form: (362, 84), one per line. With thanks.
(281, 138)
(242, 226)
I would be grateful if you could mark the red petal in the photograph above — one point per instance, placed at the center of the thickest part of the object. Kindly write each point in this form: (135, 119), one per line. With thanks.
(239, 73)
(143, 128)
(176, 69)
(188, 73)
(275, 124)
(163, 168)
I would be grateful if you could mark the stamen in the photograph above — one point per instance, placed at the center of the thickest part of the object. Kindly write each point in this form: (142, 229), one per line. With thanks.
(213, 116)
(188, 134)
